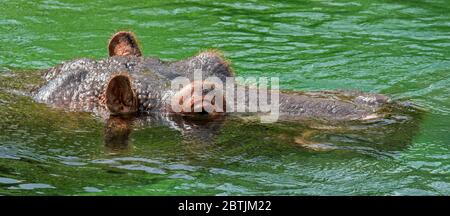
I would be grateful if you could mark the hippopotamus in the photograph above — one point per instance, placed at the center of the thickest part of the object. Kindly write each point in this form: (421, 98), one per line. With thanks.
(126, 82)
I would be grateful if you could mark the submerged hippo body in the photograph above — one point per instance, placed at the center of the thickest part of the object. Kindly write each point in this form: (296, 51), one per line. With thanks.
(126, 82)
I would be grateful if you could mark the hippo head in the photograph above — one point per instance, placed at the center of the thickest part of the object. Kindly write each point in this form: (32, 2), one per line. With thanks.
(127, 82)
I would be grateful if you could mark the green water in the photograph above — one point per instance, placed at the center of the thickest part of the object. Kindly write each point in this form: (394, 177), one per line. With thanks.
(398, 48)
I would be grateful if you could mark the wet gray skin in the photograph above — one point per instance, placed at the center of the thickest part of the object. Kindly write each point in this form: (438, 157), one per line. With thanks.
(82, 85)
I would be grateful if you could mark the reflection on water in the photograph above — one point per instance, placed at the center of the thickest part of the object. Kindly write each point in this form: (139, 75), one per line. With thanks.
(396, 48)
(193, 129)
(117, 132)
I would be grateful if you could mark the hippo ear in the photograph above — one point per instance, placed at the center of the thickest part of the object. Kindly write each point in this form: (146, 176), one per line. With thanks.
(124, 43)
(120, 97)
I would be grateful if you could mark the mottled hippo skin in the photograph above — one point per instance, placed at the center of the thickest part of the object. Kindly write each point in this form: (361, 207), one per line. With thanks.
(121, 84)
(127, 83)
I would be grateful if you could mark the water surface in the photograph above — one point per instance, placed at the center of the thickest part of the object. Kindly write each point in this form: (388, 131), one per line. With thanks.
(397, 48)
